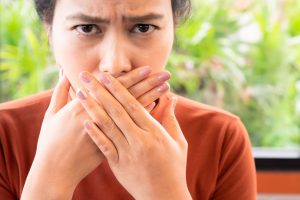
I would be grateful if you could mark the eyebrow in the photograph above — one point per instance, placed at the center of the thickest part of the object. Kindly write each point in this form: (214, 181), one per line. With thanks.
(98, 20)
(147, 17)
(87, 18)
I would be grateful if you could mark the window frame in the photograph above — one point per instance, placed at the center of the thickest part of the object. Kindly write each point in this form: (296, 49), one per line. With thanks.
(276, 159)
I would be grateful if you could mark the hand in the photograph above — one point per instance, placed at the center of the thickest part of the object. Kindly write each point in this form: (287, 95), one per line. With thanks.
(65, 154)
(148, 158)
(146, 89)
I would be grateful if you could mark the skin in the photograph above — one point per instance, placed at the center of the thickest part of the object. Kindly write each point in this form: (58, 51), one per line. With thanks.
(132, 140)
(116, 67)
(114, 46)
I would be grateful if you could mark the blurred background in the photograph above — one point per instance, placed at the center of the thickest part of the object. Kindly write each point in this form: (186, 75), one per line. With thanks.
(240, 55)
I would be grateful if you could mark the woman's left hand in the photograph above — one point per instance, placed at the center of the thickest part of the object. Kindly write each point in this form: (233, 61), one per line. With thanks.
(147, 157)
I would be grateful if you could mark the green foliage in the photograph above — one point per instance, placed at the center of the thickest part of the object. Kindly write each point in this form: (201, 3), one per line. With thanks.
(246, 61)
(24, 51)
(243, 58)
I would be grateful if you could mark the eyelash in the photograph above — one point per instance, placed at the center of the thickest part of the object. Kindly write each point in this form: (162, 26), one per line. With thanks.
(150, 26)
(96, 30)
(79, 30)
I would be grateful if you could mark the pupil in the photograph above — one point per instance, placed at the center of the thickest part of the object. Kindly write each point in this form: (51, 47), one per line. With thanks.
(87, 28)
(143, 28)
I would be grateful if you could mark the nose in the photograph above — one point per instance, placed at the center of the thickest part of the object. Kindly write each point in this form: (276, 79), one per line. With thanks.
(114, 57)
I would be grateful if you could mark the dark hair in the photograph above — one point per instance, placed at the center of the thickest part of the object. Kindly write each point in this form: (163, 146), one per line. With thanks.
(45, 9)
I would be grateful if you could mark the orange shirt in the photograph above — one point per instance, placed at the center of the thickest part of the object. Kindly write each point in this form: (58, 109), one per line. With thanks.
(220, 165)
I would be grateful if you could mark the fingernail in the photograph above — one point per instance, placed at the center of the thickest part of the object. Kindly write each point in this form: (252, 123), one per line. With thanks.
(164, 77)
(88, 125)
(163, 88)
(151, 106)
(105, 79)
(145, 71)
(84, 77)
(81, 94)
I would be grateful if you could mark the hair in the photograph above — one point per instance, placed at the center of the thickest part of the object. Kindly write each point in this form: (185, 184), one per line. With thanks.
(45, 10)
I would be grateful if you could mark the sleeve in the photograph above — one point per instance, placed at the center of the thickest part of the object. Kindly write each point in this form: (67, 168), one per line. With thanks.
(5, 192)
(237, 176)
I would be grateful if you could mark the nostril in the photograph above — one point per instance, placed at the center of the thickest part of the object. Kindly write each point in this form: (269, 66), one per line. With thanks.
(119, 74)
(115, 69)
(114, 74)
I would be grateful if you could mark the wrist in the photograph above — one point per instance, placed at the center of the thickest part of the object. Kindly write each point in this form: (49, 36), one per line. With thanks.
(43, 183)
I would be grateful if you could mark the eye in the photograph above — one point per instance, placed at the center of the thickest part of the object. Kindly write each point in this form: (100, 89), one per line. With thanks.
(88, 29)
(144, 28)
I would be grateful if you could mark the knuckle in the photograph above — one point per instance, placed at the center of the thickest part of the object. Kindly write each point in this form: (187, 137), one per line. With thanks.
(151, 145)
(134, 92)
(95, 137)
(109, 152)
(132, 79)
(107, 125)
(115, 112)
(114, 136)
(115, 88)
(143, 101)
(152, 83)
(105, 148)
(77, 108)
(132, 107)
(123, 80)
(114, 156)
(146, 100)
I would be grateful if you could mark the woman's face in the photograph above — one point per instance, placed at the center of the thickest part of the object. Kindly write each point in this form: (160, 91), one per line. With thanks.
(112, 36)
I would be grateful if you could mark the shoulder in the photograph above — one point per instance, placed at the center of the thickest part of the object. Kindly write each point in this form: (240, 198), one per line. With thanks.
(214, 129)
(219, 129)
(208, 118)
(23, 113)
(201, 109)
(27, 102)
(20, 123)
(219, 147)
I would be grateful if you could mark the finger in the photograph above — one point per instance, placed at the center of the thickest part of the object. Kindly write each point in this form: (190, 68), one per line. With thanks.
(72, 93)
(169, 121)
(154, 94)
(60, 95)
(110, 104)
(149, 83)
(133, 77)
(150, 107)
(102, 120)
(132, 107)
(102, 142)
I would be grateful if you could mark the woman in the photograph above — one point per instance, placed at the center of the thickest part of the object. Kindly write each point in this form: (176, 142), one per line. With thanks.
(123, 135)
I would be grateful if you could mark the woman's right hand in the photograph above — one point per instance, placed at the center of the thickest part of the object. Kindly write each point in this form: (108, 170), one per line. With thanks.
(65, 154)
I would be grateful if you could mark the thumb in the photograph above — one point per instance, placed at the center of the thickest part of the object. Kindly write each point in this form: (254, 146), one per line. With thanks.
(60, 95)
(169, 121)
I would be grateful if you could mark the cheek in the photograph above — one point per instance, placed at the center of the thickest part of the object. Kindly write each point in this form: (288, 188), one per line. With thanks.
(71, 57)
(74, 57)
(158, 58)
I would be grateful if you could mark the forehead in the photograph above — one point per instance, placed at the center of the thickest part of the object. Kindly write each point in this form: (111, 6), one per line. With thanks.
(108, 7)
